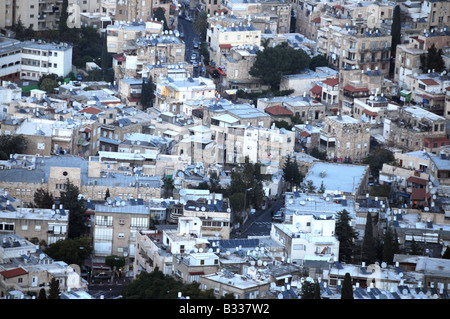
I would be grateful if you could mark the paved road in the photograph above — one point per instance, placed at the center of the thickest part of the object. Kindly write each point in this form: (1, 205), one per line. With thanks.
(190, 36)
(259, 223)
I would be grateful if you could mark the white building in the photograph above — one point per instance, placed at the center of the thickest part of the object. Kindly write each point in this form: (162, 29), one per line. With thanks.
(40, 58)
(308, 237)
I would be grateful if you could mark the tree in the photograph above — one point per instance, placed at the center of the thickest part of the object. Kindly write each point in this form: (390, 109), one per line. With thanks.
(346, 235)
(107, 195)
(63, 18)
(318, 61)
(396, 30)
(388, 246)
(432, 60)
(396, 245)
(12, 144)
(318, 154)
(308, 290)
(200, 25)
(147, 93)
(71, 251)
(114, 262)
(43, 199)
(378, 158)
(19, 30)
(54, 292)
(322, 188)
(156, 285)
(70, 199)
(317, 291)
(48, 85)
(160, 16)
(368, 246)
(274, 62)
(104, 58)
(168, 186)
(214, 183)
(42, 294)
(291, 172)
(415, 248)
(347, 287)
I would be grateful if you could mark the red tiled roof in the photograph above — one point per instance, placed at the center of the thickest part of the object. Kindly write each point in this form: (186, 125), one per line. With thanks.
(14, 272)
(222, 10)
(91, 110)
(429, 82)
(278, 110)
(316, 89)
(316, 20)
(353, 89)
(225, 46)
(417, 180)
(339, 7)
(119, 57)
(305, 134)
(331, 82)
(370, 113)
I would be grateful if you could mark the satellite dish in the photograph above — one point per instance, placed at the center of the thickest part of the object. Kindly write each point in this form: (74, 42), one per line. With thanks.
(200, 250)
(383, 265)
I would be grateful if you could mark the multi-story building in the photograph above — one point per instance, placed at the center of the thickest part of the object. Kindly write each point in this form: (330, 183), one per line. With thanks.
(226, 33)
(345, 138)
(353, 47)
(308, 237)
(303, 82)
(30, 60)
(414, 129)
(116, 224)
(48, 225)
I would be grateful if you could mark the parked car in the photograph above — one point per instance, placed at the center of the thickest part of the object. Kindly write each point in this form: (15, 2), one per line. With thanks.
(194, 57)
(102, 275)
(196, 45)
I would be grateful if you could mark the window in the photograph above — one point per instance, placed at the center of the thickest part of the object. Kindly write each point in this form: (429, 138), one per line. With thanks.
(121, 235)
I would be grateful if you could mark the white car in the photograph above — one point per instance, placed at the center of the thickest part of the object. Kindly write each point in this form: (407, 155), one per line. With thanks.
(193, 57)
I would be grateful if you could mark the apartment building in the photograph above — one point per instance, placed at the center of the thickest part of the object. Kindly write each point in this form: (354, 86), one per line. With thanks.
(115, 227)
(303, 82)
(48, 225)
(221, 37)
(119, 33)
(415, 129)
(308, 237)
(29, 60)
(353, 47)
(171, 93)
(345, 138)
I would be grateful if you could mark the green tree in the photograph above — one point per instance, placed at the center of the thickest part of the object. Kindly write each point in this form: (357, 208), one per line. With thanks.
(200, 25)
(147, 93)
(114, 262)
(70, 199)
(19, 30)
(105, 59)
(42, 294)
(43, 199)
(160, 16)
(317, 291)
(63, 18)
(396, 244)
(291, 172)
(274, 62)
(369, 252)
(48, 85)
(318, 154)
(378, 158)
(168, 186)
(214, 183)
(432, 60)
(396, 30)
(71, 251)
(318, 61)
(415, 248)
(347, 287)
(54, 292)
(156, 285)
(12, 144)
(388, 246)
(346, 235)
(107, 195)
(308, 290)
